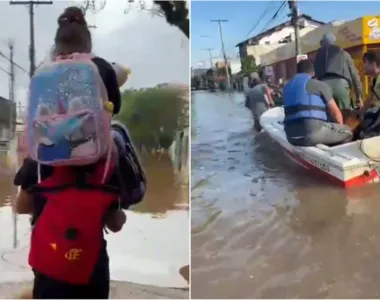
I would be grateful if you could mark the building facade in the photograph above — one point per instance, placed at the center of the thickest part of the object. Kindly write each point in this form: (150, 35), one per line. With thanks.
(274, 37)
(7, 119)
(355, 36)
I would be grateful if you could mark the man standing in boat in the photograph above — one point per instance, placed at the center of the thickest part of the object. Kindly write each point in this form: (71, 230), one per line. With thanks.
(335, 67)
(309, 106)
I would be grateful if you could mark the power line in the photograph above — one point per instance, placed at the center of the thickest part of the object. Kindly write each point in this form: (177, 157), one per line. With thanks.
(15, 64)
(260, 18)
(210, 56)
(32, 50)
(5, 71)
(282, 6)
(219, 21)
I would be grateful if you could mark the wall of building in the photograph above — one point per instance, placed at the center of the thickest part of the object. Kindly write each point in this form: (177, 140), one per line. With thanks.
(271, 41)
(7, 119)
(277, 36)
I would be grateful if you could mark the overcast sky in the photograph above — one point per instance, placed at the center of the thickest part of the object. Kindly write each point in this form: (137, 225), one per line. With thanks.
(155, 51)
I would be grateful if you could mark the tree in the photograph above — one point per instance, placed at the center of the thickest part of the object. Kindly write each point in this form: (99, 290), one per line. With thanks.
(154, 115)
(175, 12)
(248, 65)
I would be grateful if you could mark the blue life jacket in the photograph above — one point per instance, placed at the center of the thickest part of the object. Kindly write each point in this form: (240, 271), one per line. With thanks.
(299, 104)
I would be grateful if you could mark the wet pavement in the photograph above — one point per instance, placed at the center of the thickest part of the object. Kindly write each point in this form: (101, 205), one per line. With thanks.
(152, 249)
(262, 227)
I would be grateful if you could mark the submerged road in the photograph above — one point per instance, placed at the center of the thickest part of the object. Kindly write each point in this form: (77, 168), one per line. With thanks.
(262, 227)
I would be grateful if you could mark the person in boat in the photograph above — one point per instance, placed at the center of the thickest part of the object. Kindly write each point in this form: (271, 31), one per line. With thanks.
(309, 106)
(258, 100)
(335, 67)
(370, 112)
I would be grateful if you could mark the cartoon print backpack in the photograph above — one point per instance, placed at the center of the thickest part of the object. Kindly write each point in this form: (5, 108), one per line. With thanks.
(67, 123)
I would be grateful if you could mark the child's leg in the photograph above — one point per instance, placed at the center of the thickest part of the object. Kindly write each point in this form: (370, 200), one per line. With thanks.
(98, 287)
(48, 288)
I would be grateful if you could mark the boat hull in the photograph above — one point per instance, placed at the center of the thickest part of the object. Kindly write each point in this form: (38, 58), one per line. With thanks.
(344, 165)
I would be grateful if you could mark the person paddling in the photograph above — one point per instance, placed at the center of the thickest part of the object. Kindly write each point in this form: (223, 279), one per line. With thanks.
(258, 100)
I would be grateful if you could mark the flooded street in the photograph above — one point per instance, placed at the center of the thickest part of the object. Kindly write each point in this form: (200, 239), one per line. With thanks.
(262, 227)
(152, 249)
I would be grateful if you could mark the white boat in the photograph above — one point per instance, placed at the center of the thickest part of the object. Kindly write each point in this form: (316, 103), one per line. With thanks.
(348, 165)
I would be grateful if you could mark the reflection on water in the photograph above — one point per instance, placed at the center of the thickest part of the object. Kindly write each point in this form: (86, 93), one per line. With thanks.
(262, 227)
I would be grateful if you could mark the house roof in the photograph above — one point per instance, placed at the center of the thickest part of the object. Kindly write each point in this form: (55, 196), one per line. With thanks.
(277, 28)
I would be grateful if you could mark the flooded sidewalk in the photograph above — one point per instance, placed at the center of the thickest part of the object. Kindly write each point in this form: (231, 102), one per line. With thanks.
(145, 257)
(262, 227)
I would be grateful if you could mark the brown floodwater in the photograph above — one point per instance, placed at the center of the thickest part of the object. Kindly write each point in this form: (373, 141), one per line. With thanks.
(262, 227)
(165, 190)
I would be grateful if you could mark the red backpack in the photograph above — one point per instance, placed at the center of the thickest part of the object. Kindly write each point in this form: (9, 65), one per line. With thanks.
(68, 235)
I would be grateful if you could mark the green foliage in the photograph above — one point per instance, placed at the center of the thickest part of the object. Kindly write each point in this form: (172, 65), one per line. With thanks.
(248, 65)
(154, 115)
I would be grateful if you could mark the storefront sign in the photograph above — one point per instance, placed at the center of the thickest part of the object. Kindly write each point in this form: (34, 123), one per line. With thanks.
(301, 57)
(268, 71)
(348, 35)
(374, 29)
(371, 29)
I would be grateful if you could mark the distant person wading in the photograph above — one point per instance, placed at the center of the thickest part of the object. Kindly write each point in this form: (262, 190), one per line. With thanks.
(258, 100)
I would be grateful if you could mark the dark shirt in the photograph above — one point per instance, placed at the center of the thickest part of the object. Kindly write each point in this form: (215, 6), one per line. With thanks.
(108, 75)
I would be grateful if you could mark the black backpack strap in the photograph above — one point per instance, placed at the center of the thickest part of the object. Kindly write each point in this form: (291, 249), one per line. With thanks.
(131, 175)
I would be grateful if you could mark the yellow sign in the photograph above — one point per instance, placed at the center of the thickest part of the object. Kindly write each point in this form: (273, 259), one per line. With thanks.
(73, 254)
(371, 29)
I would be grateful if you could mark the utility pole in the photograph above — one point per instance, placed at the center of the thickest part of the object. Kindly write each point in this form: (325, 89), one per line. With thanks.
(209, 53)
(219, 21)
(12, 107)
(11, 72)
(12, 121)
(294, 18)
(32, 54)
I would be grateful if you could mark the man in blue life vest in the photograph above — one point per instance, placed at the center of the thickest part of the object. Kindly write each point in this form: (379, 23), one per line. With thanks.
(311, 115)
